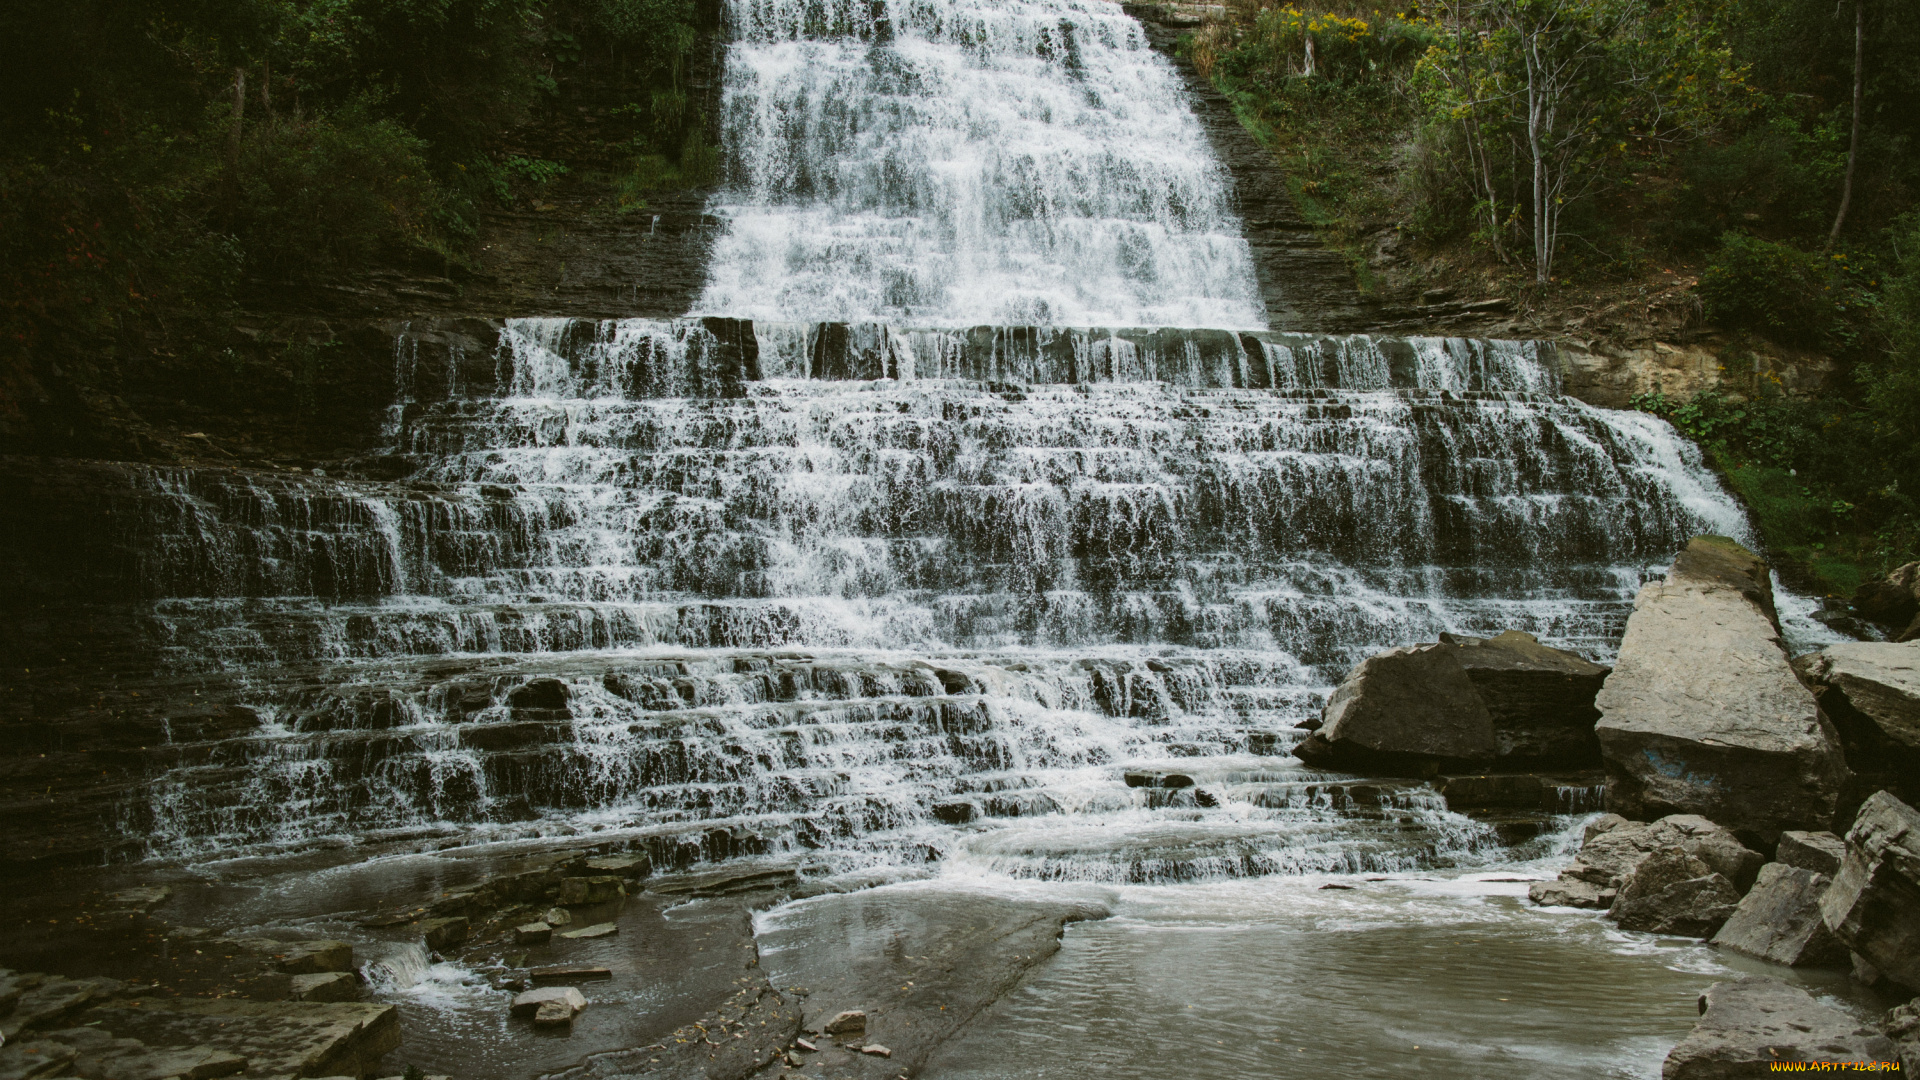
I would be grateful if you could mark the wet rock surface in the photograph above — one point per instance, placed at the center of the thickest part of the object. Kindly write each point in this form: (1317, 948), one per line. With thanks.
(916, 961)
(1747, 1024)
(1703, 714)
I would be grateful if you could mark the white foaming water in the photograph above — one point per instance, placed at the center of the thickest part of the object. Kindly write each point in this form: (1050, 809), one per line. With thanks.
(893, 596)
(965, 162)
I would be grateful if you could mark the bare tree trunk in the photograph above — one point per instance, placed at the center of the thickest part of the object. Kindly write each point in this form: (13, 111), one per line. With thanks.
(266, 89)
(1309, 39)
(1853, 146)
(1537, 106)
(239, 116)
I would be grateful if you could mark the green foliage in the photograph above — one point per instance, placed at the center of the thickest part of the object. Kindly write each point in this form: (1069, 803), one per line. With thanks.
(1793, 296)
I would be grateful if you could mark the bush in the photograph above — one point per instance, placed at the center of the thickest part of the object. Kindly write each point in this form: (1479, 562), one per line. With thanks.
(1791, 296)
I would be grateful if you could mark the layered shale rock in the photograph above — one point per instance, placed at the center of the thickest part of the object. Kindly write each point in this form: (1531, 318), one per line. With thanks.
(1748, 1024)
(1540, 699)
(1873, 905)
(1703, 713)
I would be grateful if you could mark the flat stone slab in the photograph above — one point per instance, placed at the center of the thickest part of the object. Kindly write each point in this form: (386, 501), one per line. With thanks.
(555, 976)
(325, 986)
(532, 1001)
(918, 961)
(1747, 1024)
(292, 1038)
(596, 930)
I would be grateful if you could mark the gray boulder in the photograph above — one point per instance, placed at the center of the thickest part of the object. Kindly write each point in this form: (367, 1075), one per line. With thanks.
(1613, 847)
(1747, 1024)
(1873, 904)
(1703, 714)
(1819, 852)
(1903, 1027)
(1671, 892)
(1408, 711)
(1892, 601)
(1871, 692)
(1779, 920)
(1540, 700)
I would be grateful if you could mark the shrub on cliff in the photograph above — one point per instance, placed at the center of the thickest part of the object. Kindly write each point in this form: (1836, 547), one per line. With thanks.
(1798, 297)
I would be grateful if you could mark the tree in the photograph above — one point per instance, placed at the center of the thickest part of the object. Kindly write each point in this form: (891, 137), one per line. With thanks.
(1853, 142)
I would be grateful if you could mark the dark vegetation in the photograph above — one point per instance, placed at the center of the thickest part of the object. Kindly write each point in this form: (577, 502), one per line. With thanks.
(163, 161)
(1711, 134)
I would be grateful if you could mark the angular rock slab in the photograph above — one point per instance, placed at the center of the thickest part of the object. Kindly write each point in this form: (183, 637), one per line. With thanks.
(1540, 699)
(1873, 905)
(325, 986)
(1749, 1023)
(1779, 920)
(1410, 711)
(530, 1002)
(1819, 852)
(290, 1038)
(1704, 715)
(1871, 692)
(1903, 1027)
(1671, 892)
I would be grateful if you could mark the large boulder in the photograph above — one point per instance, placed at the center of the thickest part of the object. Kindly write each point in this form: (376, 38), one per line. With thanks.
(1873, 905)
(1779, 920)
(1871, 692)
(1747, 1024)
(1613, 847)
(1540, 700)
(1671, 892)
(1703, 714)
(1407, 711)
(1819, 852)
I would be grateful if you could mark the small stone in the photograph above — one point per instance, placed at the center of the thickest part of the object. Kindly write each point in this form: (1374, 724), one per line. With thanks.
(532, 1001)
(325, 986)
(1570, 892)
(553, 1014)
(537, 933)
(594, 931)
(876, 1050)
(851, 1020)
(557, 917)
(805, 1045)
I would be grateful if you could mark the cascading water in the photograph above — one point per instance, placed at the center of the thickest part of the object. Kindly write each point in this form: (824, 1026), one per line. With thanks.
(962, 162)
(695, 581)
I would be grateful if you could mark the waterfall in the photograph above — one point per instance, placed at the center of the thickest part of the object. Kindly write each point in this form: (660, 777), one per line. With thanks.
(965, 162)
(866, 591)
